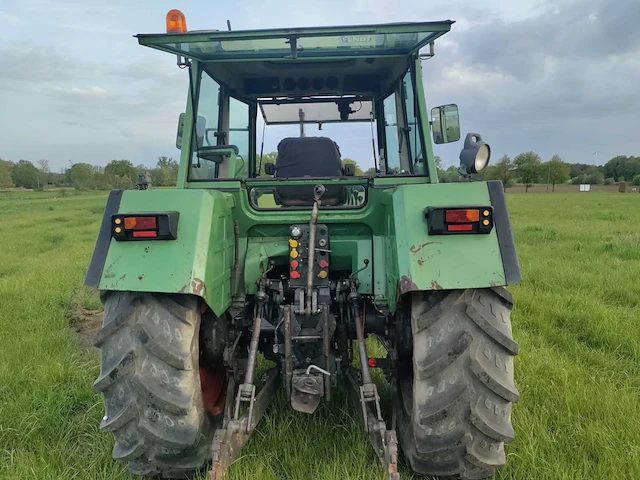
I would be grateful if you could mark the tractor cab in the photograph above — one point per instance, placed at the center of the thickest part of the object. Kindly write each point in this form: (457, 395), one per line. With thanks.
(313, 92)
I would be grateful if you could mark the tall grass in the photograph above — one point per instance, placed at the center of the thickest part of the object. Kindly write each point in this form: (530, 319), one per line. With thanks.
(577, 319)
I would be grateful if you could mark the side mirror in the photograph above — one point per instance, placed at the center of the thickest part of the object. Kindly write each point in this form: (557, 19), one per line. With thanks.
(201, 123)
(475, 155)
(445, 124)
(269, 168)
(349, 169)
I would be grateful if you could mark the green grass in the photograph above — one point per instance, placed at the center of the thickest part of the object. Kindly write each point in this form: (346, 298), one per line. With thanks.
(577, 319)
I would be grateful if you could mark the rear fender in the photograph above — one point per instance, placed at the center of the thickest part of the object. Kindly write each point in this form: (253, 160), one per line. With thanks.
(198, 262)
(434, 262)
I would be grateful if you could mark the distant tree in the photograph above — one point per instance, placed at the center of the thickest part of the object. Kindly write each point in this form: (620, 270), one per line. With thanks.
(636, 180)
(80, 175)
(488, 173)
(266, 158)
(166, 162)
(557, 171)
(450, 175)
(596, 178)
(43, 172)
(579, 180)
(44, 165)
(5, 177)
(439, 164)
(5, 173)
(622, 166)
(577, 169)
(527, 168)
(160, 178)
(609, 181)
(370, 172)
(25, 174)
(122, 169)
(57, 179)
(504, 171)
(359, 171)
(621, 179)
(165, 173)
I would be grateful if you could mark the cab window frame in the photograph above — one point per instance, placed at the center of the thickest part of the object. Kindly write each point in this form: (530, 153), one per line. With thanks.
(222, 128)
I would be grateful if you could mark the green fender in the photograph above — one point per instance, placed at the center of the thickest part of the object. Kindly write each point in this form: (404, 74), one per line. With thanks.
(418, 261)
(198, 262)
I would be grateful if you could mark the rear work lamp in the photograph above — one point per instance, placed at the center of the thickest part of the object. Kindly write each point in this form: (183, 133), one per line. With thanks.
(457, 220)
(145, 226)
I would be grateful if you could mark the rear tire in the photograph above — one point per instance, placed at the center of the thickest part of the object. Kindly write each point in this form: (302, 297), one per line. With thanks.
(457, 387)
(149, 378)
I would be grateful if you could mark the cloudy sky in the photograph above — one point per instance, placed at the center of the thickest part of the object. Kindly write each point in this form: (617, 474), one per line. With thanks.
(557, 76)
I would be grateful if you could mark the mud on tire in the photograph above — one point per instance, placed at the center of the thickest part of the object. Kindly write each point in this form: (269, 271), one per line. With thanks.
(149, 378)
(458, 387)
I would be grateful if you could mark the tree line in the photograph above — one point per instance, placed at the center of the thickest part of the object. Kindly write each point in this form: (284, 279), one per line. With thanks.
(527, 168)
(116, 174)
(83, 176)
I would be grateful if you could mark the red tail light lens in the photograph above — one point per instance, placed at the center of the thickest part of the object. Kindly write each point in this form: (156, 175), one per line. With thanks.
(460, 228)
(145, 234)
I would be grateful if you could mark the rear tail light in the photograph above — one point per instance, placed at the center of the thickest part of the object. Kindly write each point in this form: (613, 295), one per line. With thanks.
(145, 226)
(459, 220)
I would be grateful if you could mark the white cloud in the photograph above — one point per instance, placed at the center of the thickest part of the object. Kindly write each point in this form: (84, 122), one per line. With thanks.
(86, 91)
(91, 29)
(6, 17)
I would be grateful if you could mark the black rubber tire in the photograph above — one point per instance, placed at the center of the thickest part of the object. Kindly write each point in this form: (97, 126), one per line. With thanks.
(149, 378)
(457, 389)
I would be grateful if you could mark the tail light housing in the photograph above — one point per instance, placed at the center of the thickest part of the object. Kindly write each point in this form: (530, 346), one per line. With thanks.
(456, 220)
(145, 226)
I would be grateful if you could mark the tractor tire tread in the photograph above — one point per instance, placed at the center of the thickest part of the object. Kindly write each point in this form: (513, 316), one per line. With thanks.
(150, 383)
(463, 386)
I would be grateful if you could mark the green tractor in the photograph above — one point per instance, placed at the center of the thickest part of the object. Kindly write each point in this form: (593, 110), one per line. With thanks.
(301, 257)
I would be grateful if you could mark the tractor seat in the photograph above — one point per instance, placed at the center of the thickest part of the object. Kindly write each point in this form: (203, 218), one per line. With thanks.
(300, 157)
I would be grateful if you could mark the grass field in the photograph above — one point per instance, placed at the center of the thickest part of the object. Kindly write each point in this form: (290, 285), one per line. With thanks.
(577, 319)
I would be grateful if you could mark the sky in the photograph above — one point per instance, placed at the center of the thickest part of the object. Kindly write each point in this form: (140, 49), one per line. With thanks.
(556, 77)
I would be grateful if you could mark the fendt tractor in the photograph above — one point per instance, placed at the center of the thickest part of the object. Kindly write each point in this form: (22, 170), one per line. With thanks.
(293, 260)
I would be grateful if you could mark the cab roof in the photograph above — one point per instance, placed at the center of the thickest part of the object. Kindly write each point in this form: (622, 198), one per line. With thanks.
(363, 60)
(383, 40)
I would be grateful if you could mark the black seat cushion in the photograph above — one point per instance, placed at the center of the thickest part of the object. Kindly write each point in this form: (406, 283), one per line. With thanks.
(300, 157)
(308, 156)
